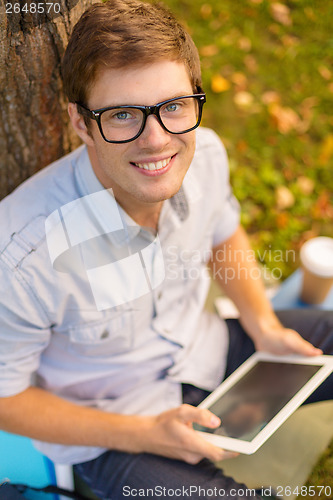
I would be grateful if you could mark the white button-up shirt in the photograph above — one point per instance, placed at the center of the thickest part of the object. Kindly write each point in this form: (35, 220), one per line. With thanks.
(103, 312)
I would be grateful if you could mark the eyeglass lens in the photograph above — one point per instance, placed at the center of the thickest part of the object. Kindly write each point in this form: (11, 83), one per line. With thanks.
(177, 116)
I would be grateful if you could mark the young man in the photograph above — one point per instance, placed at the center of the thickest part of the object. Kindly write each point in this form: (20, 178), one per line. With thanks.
(103, 260)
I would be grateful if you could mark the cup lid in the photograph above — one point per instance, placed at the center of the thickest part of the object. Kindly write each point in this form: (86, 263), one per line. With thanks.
(317, 256)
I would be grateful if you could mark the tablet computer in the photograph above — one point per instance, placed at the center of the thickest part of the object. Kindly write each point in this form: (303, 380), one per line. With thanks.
(259, 396)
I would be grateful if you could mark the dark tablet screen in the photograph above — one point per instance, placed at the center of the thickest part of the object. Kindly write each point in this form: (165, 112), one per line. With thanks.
(247, 407)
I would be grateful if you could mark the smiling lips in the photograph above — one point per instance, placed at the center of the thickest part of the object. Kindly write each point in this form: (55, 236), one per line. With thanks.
(154, 165)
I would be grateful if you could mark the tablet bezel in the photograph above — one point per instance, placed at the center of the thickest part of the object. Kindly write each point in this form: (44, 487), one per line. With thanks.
(249, 447)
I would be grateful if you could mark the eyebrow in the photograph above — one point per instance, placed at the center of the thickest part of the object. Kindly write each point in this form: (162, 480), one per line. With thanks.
(174, 96)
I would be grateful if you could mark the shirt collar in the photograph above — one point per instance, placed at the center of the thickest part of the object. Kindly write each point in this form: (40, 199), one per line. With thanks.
(177, 209)
(88, 183)
(190, 192)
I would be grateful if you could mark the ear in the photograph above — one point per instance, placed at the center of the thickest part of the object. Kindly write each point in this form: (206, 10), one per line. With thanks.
(79, 125)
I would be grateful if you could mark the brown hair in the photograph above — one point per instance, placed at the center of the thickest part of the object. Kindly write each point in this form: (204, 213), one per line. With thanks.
(120, 33)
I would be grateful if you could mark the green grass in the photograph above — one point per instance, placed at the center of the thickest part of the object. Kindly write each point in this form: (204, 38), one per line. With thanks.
(269, 85)
(322, 477)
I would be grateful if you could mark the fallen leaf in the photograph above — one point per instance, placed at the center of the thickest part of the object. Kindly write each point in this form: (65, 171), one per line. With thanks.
(325, 72)
(323, 206)
(281, 13)
(251, 63)
(286, 119)
(240, 80)
(224, 16)
(326, 150)
(306, 111)
(275, 29)
(209, 50)
(215, 25)
(309, 102)
(270, 97)
(305, 184)
(243, 99)
(288, 173)
(289, 41)
(206, 10)
(244, 43)
(284, 198)
(242, 146)
(282, 220)
(219, 84)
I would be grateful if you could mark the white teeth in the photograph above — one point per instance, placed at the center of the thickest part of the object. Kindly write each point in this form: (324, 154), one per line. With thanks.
(154, 166)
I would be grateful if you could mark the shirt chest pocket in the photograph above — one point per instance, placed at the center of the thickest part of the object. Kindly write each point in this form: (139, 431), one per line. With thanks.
(104, 338)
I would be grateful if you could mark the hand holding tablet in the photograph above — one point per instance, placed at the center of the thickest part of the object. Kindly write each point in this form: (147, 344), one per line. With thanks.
(259, 396)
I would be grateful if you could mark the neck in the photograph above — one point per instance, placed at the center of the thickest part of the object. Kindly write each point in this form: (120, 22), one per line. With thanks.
(144, 214)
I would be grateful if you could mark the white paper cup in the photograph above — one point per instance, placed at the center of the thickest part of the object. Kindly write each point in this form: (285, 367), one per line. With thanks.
(317, 263)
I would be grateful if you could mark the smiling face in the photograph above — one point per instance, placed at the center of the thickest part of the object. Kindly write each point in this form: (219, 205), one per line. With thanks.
(150, 169)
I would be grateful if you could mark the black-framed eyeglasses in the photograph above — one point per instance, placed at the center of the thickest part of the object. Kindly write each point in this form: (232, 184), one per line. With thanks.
(119, 124)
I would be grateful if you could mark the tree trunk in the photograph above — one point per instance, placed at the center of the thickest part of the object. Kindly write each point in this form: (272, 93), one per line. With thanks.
(34, 126)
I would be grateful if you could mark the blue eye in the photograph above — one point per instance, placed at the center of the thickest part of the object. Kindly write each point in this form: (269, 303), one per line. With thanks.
(122, 115)
(173, 106)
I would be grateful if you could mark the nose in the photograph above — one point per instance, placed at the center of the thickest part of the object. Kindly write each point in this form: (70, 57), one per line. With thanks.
(154, 136)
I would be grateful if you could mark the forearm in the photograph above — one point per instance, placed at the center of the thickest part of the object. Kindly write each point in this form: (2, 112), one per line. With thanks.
(41, 415)
(239, 276)
(234, 267)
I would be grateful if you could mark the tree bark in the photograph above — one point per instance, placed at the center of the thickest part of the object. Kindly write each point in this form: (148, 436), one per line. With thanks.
(34, 125)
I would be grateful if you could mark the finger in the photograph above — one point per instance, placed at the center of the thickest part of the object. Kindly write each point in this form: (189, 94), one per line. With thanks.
(302, 346)
(200, 416)
(197, 447)
(205, 449)
(209, 450)
(229, 454)
(194, 458)
(310, 350)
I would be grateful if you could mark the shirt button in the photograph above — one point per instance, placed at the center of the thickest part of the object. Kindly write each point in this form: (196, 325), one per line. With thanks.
(159, 296)
(105, 334)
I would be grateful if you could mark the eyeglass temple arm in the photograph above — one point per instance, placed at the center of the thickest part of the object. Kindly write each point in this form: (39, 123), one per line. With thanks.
(85, 111)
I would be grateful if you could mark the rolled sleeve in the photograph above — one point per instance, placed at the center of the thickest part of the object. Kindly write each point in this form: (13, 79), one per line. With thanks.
(23, 333)
(229, 207)
(231, 220)
(212, 153)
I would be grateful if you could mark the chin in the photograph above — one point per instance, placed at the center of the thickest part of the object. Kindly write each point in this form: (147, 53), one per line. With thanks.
(160, 195)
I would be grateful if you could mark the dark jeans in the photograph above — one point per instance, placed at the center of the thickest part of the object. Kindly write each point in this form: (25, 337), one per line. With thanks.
(116, 475)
